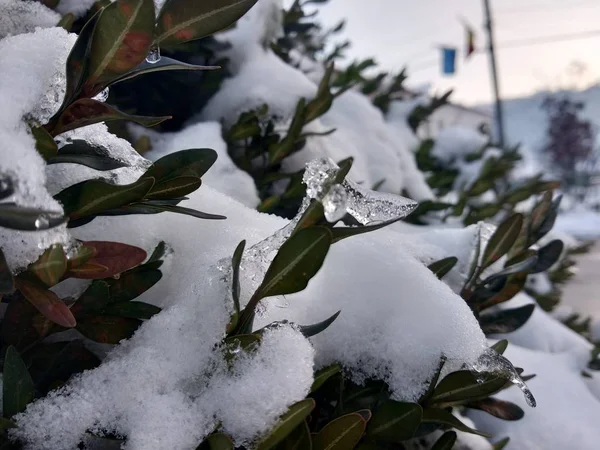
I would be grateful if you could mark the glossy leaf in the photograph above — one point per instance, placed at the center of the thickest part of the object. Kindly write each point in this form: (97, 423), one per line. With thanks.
(86, 111)
(83, 254)
(340, 233)
(193, 162)
(152, 208)
(163, 65)
(182, 21)
(51, 266)
(298, 439)
(296, 262)
(514, 285)
(47, 303)
(500, 445)
(90, 271)
(95, 298)
(394, 421)
(6, 187)
(446, 441)
(134, 310)
(443, 266)
(505, 321)
(434, 379)
(498, 408)
(115, 256)
(175, 187)
(120, 42)
(133, 283)
(108, 329)
(44, 143)
(235, 278)
(342, 433)
(28, 219)
(324, 374)
(17, 386)
(502, 240)
(444, 417)
(7, 282)
(311, 330)
(313, 215)
(92, 197)
(217, 441)
(287, 424)
(523, 266)
(500, 346)
(463, 386)
(548, 255)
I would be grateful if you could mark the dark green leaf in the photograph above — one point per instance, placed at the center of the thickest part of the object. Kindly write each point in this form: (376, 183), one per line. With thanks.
(6, 187)
(155, 208)
(445, 442)
(28, 219)
(548, 255)
(164, 64)
(458, 387)
(296, 262)
(323, 100)
(434, 379)
(134, 310)
(193, 162)
(51, 266)
(18, 323)
(235, 277)
(95, 162)
(501, 444)
(498, 408)
(502, 240)
(95, 298)
(182, 21)
(340, 233)
(443, 266)
(47, 303)
(394, 421)
(95, 196)
(287, 424)
(120, 42)
(445, 417)
(217, 441)
(86, 111)
(133, 283)
(313, 215)
(311, 330)
(523, 266)
(500, 346)
(175, 187)
(44, 143)
(280, 150)
(5, 424)
(108, 329)
(7, 282)
(17, 386)
(324, 374)
(540, 212)
(342, 433)
(158, 253)
(505, 321)
(514, 285)
(298, 439)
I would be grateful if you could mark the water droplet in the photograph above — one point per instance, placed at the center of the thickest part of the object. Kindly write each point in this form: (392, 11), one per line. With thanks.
(42, 222)
(334, 203)
(153, 54)
(101, 96)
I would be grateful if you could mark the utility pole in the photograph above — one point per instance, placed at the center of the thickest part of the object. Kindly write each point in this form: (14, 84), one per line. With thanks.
(494, 69)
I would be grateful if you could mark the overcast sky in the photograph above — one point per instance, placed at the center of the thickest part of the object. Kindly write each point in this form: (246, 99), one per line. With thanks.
(399, 32)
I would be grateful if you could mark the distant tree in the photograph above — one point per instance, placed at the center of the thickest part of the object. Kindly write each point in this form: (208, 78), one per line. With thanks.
(570, 143)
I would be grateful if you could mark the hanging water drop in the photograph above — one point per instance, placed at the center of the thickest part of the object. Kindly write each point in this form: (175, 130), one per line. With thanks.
(334, 203)
(153, 55)
(41, 223)
(101, 96)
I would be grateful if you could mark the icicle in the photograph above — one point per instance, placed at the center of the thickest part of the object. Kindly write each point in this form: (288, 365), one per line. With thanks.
(153, 55)
(493, 362)
(102, 95)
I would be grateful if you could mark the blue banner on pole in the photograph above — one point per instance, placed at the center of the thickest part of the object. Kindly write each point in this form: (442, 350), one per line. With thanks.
(448, 60)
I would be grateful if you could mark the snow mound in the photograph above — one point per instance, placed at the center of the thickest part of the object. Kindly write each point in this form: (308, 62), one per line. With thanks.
(17, 17)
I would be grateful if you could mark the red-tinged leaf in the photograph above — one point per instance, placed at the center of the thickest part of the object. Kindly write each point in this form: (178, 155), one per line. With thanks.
(108, 329)
(83, 255)
(116, 256)
(120, 42)
(48, 303)
(51, 266)
(86, 111)
(498, 408)
(89, 271)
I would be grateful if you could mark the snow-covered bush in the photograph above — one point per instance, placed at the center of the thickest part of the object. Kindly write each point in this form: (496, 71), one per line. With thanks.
(339, 326)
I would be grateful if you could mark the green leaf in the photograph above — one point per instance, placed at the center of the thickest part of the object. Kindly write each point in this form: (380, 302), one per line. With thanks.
(502, 240)
(548, 255)
(86, 111)
(7, 282)
(95, 298)
(323, 100)
(287, 424)
(155, 208)
(115, 256)
(540, 212)
(443, 266)
(458, 387)
(175, 187)
(28, 219)
(296, 262)
(311, 330)
(47, 303)
(163, 65)
(17, 325)
(500, 445)
(505, 321)
(134, 310)
(44, 143)
(5, 425)
(158, 253)
(324, 374)
(434, 379)
(120, 42)
(17, 386)
(82, 152)
(498, 408)
(279, 151)
(51, 266)
(500, 346)
(313, 215)
(193, 162)
(446, 441)
(521, 267)
(340, 233)
(246, 342)
(92, 197)
(108, 329)
(394, 421)
(182, 21)
(134, 283)
(444, 417)
(342, 433)
(217, 441)
(513, 286)
(298, 439)
(235, 277)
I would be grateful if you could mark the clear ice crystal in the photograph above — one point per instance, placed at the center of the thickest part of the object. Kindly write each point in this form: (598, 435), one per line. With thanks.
(153, 55)
(493, 362)
(335, 203)
(101, 96)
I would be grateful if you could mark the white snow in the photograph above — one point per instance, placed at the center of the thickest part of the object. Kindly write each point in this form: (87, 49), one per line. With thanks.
(581, 222)
(18, 16)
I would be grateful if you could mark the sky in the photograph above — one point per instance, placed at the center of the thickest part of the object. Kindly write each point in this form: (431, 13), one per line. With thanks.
(410, 32)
